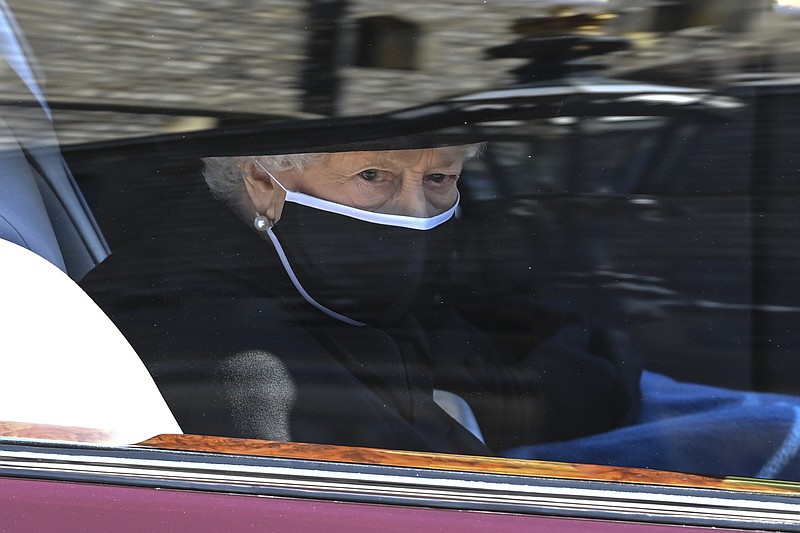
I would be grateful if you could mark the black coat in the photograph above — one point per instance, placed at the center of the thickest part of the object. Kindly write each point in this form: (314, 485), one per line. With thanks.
(236, 352)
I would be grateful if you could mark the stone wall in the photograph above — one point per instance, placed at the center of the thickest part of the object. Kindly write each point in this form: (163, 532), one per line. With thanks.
(252, 55)
(243, 54)
(222, 54)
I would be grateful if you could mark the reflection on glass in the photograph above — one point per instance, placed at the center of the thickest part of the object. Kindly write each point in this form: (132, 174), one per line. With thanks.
(338, 297)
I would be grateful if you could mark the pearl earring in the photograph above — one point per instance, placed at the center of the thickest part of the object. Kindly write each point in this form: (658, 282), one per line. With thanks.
(261, 223)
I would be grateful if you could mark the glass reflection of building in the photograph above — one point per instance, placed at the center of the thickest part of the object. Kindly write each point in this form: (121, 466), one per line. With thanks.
(364, 56)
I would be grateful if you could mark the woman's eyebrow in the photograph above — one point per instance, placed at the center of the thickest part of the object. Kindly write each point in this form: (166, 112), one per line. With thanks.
(389, 160)
(377, 159)
(450, 162)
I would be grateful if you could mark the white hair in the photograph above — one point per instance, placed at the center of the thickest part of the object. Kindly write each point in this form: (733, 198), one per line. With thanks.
(225, 178)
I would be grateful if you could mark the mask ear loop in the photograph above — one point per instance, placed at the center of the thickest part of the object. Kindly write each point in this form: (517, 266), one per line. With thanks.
(268, 173)
(261, 222)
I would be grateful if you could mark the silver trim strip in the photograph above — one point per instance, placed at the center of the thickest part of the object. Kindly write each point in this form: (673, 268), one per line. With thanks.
(407, 486)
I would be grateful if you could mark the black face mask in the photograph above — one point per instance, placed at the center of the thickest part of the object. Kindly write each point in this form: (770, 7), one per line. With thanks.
(358, 266)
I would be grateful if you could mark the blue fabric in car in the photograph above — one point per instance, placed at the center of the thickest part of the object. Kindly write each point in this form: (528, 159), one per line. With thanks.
(688, 427)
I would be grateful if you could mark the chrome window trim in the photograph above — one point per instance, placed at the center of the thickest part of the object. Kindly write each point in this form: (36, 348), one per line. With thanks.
(322, 480)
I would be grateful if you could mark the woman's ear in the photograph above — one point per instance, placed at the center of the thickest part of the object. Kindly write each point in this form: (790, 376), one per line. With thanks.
(264, 195)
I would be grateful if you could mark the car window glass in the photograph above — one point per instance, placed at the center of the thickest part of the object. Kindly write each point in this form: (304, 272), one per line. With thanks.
(613, 283)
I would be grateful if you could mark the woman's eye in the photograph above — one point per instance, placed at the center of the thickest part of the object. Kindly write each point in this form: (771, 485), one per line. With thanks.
(439, 178)
(369, 174)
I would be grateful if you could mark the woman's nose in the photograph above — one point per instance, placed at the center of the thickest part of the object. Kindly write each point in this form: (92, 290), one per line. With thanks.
(412, 202)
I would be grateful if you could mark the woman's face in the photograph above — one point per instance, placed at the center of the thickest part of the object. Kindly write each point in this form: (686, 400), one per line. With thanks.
(419, 183)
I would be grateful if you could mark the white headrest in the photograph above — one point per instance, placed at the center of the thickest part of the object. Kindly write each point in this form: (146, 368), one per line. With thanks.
(64, 362)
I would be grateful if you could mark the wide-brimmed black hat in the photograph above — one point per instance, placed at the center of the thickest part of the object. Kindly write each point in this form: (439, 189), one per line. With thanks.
(455, 121)
(343, 134)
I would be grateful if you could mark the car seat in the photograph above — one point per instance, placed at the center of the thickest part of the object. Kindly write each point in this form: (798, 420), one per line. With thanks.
(64, 363)
(54, 221)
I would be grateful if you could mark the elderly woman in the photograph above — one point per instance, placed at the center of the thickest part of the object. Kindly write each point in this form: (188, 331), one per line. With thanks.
(318, 307)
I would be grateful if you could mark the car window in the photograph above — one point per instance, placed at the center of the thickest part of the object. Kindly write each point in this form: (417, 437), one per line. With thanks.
(383, 235)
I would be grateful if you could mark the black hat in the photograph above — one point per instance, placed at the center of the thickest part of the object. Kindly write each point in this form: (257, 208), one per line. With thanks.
(343, 134)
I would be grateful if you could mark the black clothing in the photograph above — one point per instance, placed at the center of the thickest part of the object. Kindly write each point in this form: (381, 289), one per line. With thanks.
(237, 352)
